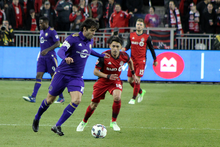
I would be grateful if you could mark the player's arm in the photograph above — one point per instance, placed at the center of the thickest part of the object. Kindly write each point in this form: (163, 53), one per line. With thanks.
(105, 55)
(151, 47)
(131, 66)
(63, 49)
(127, 47)
(99, 66)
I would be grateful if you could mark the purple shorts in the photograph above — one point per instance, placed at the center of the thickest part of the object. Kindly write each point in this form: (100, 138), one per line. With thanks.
(60, 82)
(47, 64)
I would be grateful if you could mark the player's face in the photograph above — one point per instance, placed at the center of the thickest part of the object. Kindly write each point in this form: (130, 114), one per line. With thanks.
(89, 33)
(42, 24)
(139, 26)
(115, 48)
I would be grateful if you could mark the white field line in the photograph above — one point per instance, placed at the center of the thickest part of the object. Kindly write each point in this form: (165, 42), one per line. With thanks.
(147, 128)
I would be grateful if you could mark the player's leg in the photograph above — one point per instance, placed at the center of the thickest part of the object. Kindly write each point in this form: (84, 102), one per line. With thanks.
(68, 111)
(43, 107)
(99, 91)
(89, 111)
(37, 86)
(51, 67)
(115, 109)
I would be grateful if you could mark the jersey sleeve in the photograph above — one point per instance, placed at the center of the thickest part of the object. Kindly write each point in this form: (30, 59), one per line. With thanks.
(54, 36)
(99, 63)
(128, 43)
(127, 57)
(151, 47)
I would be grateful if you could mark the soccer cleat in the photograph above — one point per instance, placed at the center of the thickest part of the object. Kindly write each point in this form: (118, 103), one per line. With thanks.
(114, 126)
(81, 126)
(57, 129)
(132, 101)
(141, 96)
(35, 125)
(60, 100)
(29, 99)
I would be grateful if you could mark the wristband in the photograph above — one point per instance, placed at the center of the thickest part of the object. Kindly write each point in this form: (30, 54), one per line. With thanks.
(108, 76)
(132, 72)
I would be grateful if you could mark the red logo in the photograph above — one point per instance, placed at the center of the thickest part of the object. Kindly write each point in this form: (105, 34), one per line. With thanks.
(170, 65)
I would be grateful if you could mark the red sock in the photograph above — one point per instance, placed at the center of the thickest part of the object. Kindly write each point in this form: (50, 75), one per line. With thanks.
(115, 109)
(136, 90)
(89, 112)
(132, 84)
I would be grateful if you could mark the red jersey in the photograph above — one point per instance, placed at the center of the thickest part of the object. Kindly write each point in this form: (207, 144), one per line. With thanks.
(138, 44)
(33, 24)
(112, 65)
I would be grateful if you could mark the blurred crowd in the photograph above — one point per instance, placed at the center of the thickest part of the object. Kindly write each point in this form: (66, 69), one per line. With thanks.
(188, 16)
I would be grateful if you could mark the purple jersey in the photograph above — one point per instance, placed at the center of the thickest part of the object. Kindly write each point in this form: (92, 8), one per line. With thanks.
(79, 48)
(48, 38)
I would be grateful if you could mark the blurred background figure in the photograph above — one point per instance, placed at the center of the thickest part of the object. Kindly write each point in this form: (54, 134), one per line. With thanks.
(47, 11)
(152, 19)
(6, 34)
(97, 12)
(192, 25)
(75, 18)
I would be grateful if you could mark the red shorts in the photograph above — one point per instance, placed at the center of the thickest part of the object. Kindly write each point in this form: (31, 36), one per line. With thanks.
(138, 68)
(100, 88)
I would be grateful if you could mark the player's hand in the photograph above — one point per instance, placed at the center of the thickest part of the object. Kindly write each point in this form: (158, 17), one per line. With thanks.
(69, 60)
(113, 77)
(155, 63)
(123, 49)
(135, 78)
(106, 55)
(44, 52)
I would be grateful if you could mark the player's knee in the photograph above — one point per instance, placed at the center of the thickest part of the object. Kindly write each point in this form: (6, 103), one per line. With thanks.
(93, 105)
(76, 101)
(130, 80)
(117, 98)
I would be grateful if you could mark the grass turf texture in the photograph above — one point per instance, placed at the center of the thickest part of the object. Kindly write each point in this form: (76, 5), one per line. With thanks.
(171, 115)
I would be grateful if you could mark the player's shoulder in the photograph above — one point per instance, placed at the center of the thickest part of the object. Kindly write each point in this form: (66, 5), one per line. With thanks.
(124, 54)
(75, 35)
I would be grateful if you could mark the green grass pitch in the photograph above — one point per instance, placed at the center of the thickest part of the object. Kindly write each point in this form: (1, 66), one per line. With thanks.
(171, 115)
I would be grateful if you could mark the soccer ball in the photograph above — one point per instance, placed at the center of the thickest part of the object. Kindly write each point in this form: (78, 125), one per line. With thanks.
(99, 131)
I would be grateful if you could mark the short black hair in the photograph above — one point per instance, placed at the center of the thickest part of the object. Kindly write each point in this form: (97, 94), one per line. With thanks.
(116, 39)
(88, 23)
(45, 19)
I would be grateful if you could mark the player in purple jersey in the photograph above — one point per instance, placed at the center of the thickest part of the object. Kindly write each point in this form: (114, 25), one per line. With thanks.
(74, 52)
(47, 60)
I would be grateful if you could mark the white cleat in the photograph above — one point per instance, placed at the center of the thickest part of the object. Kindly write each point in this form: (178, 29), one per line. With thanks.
(81, 126)
(114, 126)
(140, 98)
(132, 102)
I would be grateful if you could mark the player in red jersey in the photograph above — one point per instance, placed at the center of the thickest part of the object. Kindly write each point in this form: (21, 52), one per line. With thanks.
(138, 41)
(108, 71)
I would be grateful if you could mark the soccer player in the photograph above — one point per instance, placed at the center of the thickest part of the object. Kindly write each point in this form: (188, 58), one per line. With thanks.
(47, 61)
(138, 41)
(74, 52)
(108, 70)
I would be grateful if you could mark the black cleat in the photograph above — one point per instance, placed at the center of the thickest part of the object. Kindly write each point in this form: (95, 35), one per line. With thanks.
(35, 125)
(57, 129)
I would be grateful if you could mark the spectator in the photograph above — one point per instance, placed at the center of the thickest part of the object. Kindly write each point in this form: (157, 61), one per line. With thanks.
(32, 22)
(85, 9)
(152, 19)
(193, 20)
(27, 6)
(134, 6)
(15, 15)
(6, 34)
(202, 6)
(97, 12)
(119, 18)
(2, 15)
(48, 12)
(208, 21)
(64, 10)
(75, 19)
(218, 20)
(172, 18)
(109, 10)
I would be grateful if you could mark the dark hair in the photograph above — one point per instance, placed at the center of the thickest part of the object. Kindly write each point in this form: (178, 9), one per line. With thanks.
(88, 23)
(116, 39)
(45, 19)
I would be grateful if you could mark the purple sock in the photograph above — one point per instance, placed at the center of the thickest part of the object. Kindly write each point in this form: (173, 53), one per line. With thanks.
(61, 95)
(67, 112)
(43, 107)
(36, 87)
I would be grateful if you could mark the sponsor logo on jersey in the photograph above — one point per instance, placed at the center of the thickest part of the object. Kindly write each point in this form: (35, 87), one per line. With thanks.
(42, 40)
(83, 53)
(137, 43)
(111, 69)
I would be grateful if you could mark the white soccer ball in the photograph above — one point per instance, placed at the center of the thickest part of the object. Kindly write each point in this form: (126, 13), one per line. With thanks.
(99, 131)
